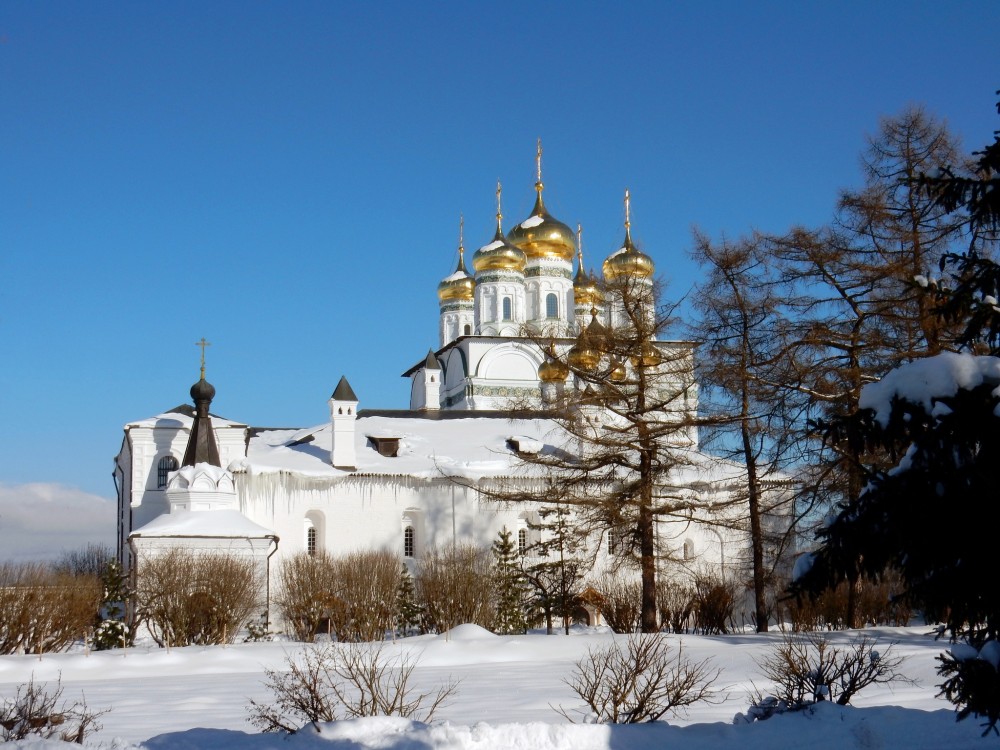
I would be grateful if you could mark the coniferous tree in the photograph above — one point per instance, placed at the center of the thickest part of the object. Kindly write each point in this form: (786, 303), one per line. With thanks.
(554, 567)
(408, 610)
(112, 629)
(509, 587)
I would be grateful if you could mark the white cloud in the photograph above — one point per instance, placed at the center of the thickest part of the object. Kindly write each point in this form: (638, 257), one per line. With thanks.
(38, 521)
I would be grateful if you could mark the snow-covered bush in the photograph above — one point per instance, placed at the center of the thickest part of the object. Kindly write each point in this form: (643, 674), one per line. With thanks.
(806, 669)
(973, 681)
(344, 681)
(37, 710)
(639, 678)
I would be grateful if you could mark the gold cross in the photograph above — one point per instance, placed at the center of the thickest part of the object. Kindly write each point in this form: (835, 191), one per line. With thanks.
(202, 344)
(538, 160)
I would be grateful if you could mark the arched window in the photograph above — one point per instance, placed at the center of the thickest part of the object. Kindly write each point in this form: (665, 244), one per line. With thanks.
(612, 542)
(688, 549)
(166, 465)
(311, 540)
(522, 541)
(551, 305)
(467, 331)
(408, 539)
(508, 308)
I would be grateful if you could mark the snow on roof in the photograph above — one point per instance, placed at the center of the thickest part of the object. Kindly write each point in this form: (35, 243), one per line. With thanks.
(492, 246)
(471, 448)
(174, 419)
(923, 380)
(532, 221)
(456, 276)
(203, 523)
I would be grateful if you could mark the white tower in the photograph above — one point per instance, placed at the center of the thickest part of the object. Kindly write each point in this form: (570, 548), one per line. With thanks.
(343, 414)
(627, 271)
(425, 391)
(500, 295)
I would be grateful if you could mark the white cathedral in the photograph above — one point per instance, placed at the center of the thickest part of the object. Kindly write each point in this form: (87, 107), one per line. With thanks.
(406, 480)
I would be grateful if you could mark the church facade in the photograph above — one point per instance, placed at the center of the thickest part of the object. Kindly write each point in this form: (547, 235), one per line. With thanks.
(406, 480)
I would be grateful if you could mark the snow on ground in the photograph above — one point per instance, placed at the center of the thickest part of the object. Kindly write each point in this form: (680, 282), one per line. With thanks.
(195, 698)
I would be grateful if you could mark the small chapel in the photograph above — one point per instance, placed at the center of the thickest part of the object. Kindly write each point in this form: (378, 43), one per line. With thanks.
(406, 480)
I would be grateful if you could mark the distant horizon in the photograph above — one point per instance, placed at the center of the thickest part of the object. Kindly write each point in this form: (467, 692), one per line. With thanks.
(286, 182)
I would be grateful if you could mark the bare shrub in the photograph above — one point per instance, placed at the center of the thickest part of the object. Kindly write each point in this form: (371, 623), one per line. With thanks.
(878, 601)
(305, 584)
(676, 603)
(42, 610)
(351, 597)
(620, 602)
(344, 681)
(91, 560)
(451, 587)
(640, 680)
(809, 668)
(364, 595)
(714, 600)
(37, 710)
(196, 598)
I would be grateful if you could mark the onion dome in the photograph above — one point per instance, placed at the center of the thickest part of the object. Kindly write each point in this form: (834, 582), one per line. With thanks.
(552, 370)
(627, 262)
(460, 286)
(586, 352)
(648, 356)
(202, 391)
(586, 289)
(499, 255)
(618, 372)
(541, 235)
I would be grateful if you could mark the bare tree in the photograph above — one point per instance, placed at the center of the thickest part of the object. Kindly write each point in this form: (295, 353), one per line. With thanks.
(452, 586)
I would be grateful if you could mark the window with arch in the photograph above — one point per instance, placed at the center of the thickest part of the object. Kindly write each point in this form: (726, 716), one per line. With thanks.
(311, 540)
(508, 308)
(688, 549)
(612, 542)
(166, 465)
(522, 541)
(551, 305)
(467, 331)
(409, 548)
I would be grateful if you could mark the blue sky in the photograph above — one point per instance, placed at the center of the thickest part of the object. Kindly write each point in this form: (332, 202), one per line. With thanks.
(285, 179)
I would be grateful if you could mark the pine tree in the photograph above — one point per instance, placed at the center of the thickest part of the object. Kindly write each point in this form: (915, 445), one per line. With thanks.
(556, 568)
(509, 587)
(408, 610)
(112, 630)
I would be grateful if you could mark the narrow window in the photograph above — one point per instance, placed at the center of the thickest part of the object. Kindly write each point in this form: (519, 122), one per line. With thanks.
(408, 542)
(522, 541)
(612, 542)
(467, 331)
(311, 540)
(688, 549)
(551, 306)
(167, 464)
(507, 309)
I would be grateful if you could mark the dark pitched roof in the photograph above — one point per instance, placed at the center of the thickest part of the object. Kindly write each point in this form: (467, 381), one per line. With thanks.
(431, 363)
(343, 391)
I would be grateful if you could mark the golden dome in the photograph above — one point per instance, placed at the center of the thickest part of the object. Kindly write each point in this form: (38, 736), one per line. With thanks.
(618, 372)
(628, 262)
(552, 370)
(541, 235)
(499, 255)
(586, 352)
(648, 356)
(586, 289)
(459, 287)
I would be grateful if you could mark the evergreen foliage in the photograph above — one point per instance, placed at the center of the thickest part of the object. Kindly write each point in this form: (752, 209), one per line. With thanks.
(112, 630)
(408, 609)
(509, 587)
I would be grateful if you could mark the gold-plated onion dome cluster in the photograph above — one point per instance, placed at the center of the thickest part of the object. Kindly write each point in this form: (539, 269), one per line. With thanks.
(589, 347)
